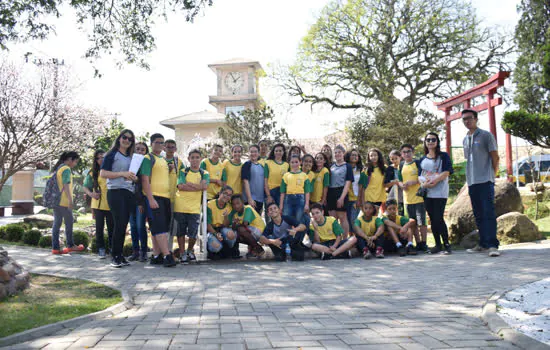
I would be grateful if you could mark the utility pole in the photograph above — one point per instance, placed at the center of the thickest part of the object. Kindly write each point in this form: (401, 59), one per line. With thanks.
(56, 62)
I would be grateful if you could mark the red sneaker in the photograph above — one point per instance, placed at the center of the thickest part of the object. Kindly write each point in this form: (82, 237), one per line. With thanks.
(75, 248)
(380, 252)
(66, 251)
(57, 252)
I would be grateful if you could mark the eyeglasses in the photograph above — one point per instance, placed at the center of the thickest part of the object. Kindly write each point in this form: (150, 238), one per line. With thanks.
(431, 139)
(159, 142)
(406, 152)
(465, 119)
(127, 138)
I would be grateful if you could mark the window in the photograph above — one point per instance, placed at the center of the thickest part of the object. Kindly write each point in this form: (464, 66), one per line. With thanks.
(234, 109)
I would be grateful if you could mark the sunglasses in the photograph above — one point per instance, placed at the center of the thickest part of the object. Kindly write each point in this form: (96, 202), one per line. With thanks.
(431, 139)
(127, 138)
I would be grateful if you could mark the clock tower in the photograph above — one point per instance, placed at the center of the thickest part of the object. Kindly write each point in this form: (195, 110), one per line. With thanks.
(237, 85)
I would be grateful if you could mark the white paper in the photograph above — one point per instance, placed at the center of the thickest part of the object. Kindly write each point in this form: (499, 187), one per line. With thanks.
(137, 159)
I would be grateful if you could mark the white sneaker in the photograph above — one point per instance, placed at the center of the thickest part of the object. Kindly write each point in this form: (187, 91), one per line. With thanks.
(493, 252)
(477, 249)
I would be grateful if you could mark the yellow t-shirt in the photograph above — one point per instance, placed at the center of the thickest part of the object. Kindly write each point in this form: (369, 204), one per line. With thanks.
(410, 172)
(232, 176)
(295, 183)
(189, 202)
(369, 227)
(64, 175)
(274, 173)
(160, 180)
(173, 176)
(328, 230)
(262, 160)
(250, 215)
(400, 220)
(322, 180)
(215, 170)
(374, 190)
(351, 195)
(101, 203)
(216, 214)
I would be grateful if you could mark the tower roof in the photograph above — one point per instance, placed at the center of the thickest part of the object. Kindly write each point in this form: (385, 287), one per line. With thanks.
(203, 117)
(238, 61)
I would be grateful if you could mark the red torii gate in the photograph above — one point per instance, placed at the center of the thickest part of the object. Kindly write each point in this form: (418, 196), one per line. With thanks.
(488, 88)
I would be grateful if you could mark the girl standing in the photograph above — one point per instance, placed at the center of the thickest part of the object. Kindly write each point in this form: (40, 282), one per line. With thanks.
(254, 180)
(231, 174)
(353, 158)
(96, 187)
(307, 167)
(137, 217)
(295, 188)
(341, 178)
(120, 190)
(436, 168)
(275, 167)
(321, 181)
(371, 185)
(326, 150)
(64, 210)
(391, 181)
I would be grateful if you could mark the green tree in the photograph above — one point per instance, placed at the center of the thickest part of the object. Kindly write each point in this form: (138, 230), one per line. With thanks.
(532, 72)
(114, 25)
(251, 126)
(359, 52)
(532, 127)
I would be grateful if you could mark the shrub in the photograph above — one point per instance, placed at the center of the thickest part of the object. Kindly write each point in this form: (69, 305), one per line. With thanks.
(94, 244)
(14, 232)
(26, 226)
(32, 237)
(128, 249)
(39, 199)
(544, 211)
(2, 232)
(81, 237)
(45, 242)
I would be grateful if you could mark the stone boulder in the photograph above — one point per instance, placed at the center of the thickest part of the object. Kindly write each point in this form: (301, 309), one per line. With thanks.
(40, 220)
(470, 240)
(515, 227)
(460, 218)
(13, 277)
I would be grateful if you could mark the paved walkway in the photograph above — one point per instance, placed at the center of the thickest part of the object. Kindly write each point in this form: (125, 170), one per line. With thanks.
(423, 302)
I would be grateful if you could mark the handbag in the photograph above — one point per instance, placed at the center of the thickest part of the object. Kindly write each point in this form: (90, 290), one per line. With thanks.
(422, 191)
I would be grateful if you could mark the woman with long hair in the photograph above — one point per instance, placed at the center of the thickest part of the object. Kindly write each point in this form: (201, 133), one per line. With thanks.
(321, 181)
(137, 218)
(274, 169)
(371, 185)
(96, 187)
(120, 190)
(353, 158)
(436, 168)
(64, 210)
(341, 178)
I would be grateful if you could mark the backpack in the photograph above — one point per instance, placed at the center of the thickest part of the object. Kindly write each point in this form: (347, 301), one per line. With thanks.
(188, 169)
(52, 194)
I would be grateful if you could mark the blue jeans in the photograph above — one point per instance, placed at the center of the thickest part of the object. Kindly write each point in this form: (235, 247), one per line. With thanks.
(352, 213)
(61, 214)
(138, 232)
(214, 245)
(275, 193)
(482, 197)
(294, 206)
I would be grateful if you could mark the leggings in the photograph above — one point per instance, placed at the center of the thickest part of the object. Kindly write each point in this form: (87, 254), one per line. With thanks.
(61, 214)
(436, 210)
(122, 203)
(100, 217)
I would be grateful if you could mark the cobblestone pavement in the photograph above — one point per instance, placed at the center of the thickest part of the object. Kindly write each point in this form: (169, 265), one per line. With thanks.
(422, 302)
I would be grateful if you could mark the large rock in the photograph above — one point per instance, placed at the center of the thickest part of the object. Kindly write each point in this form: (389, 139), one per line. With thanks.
(40, 220)
(13, 277)
(516, 228)
(470, 240)
(461, 220)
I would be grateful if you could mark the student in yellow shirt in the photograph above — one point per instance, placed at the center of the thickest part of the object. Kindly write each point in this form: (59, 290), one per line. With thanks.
(64, 210)
(96, 188)
(174, 165)
(248, 224)
(399, 229)
(409, 171)
(264, 151)
(231, 174)
(326, 235)
(371, 183)
(353, 158)
(274, 169)
(220, 234)
(295, 188)
(321, 169)
(307, 167)
(369, 232)
(214, 166)
(192, 181)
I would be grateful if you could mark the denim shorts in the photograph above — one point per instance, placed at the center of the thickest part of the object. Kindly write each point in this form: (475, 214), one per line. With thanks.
(188, 224)
(417, 212)
(212, 239)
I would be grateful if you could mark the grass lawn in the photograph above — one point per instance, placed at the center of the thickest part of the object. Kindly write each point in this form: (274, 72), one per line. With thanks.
(544, 226)
(52, 299)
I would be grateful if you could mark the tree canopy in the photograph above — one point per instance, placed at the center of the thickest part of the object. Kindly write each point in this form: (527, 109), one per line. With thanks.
(532, 127)
(115, 25)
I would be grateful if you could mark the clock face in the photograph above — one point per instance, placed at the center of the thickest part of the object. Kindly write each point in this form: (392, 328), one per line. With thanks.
(234, 81)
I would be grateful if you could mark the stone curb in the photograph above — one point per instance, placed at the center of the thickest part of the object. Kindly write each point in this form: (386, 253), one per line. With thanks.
(47, 330)
(498, 326)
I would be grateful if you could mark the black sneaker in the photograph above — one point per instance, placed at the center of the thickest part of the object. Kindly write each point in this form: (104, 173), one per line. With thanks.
(134, 256)
(124, 262)
(410, 250)
(325, 256)
(156, 260)
(401, 251)
(448, 249)
(423, 247)
(191, 256)
(116, 263)
(435, 250)
(142, 256)
(169, 261)
(184, 258)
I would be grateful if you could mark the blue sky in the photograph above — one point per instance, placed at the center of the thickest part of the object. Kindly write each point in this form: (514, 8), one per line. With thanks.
(179, 81)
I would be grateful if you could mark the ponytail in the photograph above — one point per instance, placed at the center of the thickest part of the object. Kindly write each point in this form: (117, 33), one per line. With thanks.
(65, 156)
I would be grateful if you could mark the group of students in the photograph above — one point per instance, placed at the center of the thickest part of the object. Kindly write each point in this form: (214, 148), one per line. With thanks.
(329, 202)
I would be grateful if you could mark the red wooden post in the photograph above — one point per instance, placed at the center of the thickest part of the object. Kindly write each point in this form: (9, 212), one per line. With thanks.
(491, 115)
(509, 157)
(448, 142)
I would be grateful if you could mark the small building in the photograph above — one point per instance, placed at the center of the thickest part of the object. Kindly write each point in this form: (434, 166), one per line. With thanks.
(237, 90)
